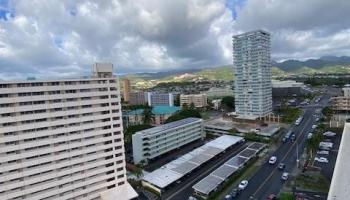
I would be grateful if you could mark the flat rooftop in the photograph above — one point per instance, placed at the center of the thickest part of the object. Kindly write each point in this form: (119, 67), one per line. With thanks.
(219, 175)
(123, 192)
(183, 165)
(220, 124)
(168, 126)
(340, 185)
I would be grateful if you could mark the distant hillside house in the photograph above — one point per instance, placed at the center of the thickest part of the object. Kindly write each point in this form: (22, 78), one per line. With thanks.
(219, 92)
(161, 114)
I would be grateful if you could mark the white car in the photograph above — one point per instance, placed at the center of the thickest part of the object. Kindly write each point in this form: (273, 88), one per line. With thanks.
(285, 176)
(321, 159)
(273, 160)
(243, 185)
(323, 152)
(329, 134)
(326, 144)
(309, 136)
(314, 126)
(325, 148)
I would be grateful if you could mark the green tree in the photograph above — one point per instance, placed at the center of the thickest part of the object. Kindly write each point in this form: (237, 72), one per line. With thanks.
(177, 100)
(228, 103)
(327, 111)
(192, 107)
(132, 130)
(184, 113)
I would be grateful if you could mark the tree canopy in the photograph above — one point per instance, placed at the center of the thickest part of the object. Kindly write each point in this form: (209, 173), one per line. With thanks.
(228, 102)
(184, 113)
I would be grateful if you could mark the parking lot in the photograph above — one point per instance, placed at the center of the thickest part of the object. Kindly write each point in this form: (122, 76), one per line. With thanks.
(327, 168)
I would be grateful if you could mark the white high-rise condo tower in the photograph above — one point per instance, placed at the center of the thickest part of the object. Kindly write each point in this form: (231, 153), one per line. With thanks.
(63, 139)
(252, 70)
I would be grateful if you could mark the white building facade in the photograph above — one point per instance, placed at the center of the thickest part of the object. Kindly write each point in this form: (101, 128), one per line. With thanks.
(159, 99)
(62, 139)
(252, 70)
(151, 143)
(342, 103)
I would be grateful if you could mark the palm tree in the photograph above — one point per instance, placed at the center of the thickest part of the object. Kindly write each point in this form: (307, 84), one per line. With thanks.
(148, 115)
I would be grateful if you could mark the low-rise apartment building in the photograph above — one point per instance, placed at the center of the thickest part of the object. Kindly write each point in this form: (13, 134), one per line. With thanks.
(159, 99)
(137, 98)
(151, 143)
(342, 103)
(198, 100)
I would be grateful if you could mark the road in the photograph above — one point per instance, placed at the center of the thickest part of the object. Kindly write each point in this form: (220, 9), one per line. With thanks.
(267, 179)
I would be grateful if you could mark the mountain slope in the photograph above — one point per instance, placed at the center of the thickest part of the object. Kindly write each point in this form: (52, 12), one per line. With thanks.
(326, 61)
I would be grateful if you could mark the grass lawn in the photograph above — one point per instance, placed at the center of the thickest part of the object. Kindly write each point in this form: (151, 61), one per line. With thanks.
(313, 182)
(286, 196)
(204, 115)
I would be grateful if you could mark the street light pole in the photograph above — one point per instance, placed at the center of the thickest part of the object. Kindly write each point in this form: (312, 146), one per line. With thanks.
(297, 156)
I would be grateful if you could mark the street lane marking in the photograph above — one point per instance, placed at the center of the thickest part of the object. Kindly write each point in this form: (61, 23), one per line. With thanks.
(273, 171)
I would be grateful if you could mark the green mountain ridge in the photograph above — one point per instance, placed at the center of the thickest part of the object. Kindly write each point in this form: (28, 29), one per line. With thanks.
(225, 73)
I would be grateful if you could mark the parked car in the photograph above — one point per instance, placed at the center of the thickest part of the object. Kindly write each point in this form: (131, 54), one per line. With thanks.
(326, 144)
(309, 135)
(272, 160)
(321, 159)
(292, 138)
(228, 197)
(281, 166)
(329, 134)
(314, 126)
(192, 198)
(285, 176)
(234, 193)
(284, 139)
(272, 197)
(323, 152)
(317, 119)
(243, 184)
(325, 148)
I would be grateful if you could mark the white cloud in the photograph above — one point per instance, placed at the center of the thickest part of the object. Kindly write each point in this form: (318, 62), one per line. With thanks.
(63, 38)
(47, 37)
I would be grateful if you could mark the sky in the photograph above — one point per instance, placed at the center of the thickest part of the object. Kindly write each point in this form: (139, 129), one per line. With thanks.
(54, 38)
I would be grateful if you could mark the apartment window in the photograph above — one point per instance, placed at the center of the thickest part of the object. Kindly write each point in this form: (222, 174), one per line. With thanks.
(54, 83)
(23, 94)
(38, 102)
(4, 85)
(71, 91)
(119, 162)
(36, 84)
(117, 133)
(37, 93)
(4, 95)
(120, 169)
(120, 176)
(55, 92)
(121, 183)
(5, 105)
(6, 115)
